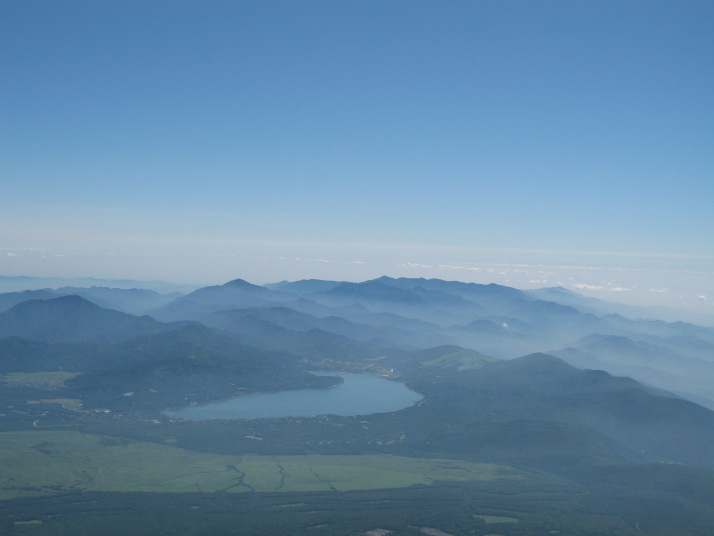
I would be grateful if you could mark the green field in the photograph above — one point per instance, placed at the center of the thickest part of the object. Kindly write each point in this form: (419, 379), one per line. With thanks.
(497, 519)
(46, 462)
(51, 379)
(72, 404)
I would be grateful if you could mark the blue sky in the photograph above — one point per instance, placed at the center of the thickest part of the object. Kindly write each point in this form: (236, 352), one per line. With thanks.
(202, 141)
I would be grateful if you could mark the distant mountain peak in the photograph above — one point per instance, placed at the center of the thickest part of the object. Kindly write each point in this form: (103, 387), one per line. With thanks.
(382, 279)
(73, 319)
(238, 283)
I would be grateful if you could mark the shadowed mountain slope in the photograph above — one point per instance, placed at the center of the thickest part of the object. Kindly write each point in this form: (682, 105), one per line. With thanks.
(412, 313)
(132, 301)
(22, 355)
(190, 364)
(73, 319)
(651, 425)
(296, 321)
(645, 362)
(255, 330)
(10, 299)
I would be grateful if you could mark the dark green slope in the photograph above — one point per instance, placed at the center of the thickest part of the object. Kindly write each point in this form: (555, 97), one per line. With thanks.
(190, 364)
(10, 299)
(21, 355)
(647, 362)
(648, 425)
(156, 385)
(71, 319)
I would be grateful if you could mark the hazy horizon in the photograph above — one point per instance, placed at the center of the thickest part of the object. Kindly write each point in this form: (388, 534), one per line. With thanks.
(525, 144)
(613, 282)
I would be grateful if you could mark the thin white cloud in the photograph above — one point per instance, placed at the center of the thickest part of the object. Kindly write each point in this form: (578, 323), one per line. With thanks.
(525, 267)
(659, 290)
(585, 286)
(415, 265)
(300, 259)
(461, 267)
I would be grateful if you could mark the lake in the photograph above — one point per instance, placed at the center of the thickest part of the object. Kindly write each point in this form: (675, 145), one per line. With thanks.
(358, 394)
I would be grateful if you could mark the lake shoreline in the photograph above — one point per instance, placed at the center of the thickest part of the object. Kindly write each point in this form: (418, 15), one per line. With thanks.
(354, 395)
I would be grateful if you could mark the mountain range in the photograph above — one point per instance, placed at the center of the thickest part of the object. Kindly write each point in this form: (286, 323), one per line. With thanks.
(583, 396)
(392, 314)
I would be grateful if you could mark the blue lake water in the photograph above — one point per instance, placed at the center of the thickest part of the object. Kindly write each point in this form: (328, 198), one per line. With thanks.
(358, 394)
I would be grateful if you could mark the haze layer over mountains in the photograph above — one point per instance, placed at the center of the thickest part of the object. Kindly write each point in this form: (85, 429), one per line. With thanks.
(587, 404)
(404, 313)
(495, 320)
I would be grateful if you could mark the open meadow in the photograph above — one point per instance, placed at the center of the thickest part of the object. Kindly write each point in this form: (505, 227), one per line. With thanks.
(47, 462)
